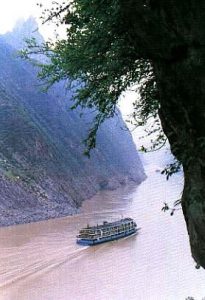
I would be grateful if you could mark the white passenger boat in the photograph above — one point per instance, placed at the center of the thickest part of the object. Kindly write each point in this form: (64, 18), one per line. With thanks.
(108, 231)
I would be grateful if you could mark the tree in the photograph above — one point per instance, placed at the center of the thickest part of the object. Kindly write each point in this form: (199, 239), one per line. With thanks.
(110, 46)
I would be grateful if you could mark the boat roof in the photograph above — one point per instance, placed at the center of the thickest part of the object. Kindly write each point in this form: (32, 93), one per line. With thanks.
(109, 224)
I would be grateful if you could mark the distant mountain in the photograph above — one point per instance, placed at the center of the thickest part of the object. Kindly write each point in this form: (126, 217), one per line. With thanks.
(23, 30)
(43, 172)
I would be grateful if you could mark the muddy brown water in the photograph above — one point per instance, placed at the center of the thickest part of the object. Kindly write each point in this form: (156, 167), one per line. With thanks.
(41, 261)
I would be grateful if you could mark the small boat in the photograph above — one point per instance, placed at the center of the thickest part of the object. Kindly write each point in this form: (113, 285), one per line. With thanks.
(108, 231)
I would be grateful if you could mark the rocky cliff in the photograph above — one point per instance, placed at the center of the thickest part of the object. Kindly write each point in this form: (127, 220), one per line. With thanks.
(43, 172)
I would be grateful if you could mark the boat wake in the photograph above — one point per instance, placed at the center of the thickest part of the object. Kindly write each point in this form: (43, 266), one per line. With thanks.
(36, 262)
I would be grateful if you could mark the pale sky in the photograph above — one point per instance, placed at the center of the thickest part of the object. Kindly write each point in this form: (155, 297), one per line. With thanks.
(12, 10)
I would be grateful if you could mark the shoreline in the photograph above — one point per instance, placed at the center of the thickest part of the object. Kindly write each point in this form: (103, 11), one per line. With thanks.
(14, 217)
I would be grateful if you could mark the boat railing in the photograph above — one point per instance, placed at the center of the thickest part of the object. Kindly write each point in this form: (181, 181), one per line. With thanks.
(108, 229)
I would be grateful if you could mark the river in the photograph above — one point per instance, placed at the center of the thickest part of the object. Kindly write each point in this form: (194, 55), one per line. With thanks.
(41, 261)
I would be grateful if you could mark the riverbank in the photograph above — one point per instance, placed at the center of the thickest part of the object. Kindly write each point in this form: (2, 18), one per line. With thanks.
(26, 209)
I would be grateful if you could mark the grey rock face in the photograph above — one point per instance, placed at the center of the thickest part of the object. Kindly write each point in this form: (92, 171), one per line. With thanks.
(43, 172)
(22, 31)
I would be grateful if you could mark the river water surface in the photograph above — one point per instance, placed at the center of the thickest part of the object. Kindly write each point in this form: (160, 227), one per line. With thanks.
(41, 261)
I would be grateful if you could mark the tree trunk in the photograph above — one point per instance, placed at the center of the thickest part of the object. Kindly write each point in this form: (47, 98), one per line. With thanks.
(181, 85)
(193, 204)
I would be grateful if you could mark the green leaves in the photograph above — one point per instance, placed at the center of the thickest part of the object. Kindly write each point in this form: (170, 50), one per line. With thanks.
(166, 207)
(105, 51)
(172, 169)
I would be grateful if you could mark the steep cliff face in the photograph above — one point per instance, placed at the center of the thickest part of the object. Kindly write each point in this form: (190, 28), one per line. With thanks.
(43, 173)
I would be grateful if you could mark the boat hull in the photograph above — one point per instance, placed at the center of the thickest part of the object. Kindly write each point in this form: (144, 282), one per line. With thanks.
(87, 242)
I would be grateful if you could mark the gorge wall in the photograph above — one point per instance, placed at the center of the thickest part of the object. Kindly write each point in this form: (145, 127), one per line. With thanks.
(43, 172)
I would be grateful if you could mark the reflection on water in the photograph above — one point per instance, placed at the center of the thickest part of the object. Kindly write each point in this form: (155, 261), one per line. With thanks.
(41, 261)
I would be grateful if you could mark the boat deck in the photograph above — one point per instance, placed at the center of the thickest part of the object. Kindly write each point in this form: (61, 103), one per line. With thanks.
(108, 231)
